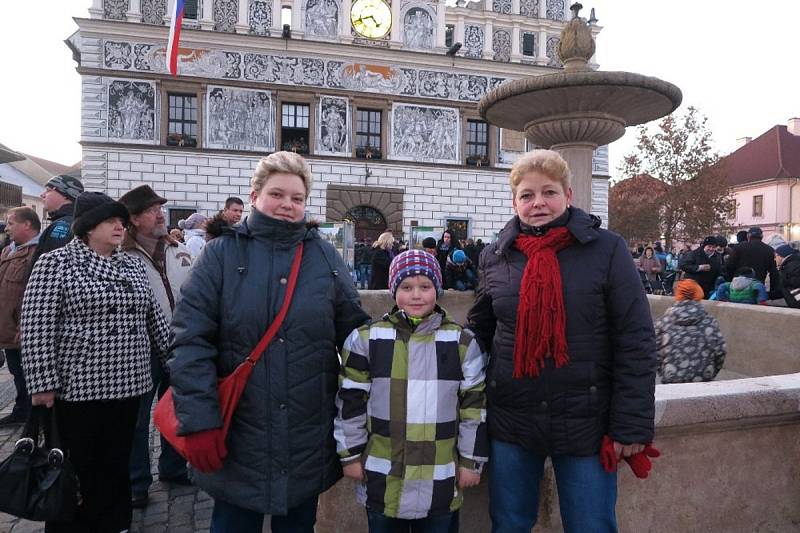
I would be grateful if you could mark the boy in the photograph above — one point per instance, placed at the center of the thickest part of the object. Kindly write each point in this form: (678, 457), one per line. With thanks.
(412, 408)
(744, 289)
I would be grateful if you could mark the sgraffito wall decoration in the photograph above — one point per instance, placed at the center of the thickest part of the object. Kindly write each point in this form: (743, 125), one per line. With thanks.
(333, 123)
(132, 111)
(240, 119)
(425, 133)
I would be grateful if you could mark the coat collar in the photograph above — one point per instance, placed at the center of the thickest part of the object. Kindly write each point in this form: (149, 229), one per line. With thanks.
(88, 258)
(430, 323)
(260, 226)
(129, 243)
(582, 226)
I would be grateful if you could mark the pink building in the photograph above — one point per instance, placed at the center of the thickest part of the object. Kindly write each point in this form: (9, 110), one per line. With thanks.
(765, 175)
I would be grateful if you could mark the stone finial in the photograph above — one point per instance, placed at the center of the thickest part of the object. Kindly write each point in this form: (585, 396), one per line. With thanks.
(577, 45)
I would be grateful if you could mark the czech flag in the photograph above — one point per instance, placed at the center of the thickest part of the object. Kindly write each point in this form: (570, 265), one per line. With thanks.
(174, 37)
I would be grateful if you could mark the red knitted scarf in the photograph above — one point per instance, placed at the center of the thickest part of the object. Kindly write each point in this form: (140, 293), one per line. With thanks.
(541, 320)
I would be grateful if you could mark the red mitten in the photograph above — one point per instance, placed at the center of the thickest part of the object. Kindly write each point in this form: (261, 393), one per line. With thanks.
(607, 456)
(205, 450)
(640, 462)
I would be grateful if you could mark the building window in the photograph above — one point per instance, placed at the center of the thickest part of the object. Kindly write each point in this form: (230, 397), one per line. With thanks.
(177, 214)
(459, 227)
(758, 205)
(286, 16)
(182, 125)
(449, 31)
(368, 134)
(477, 143)
(294, 127)
(190, 9)
(528, 44)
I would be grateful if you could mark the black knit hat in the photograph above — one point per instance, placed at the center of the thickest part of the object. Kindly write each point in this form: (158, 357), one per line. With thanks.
(755, 232)
(68, 186)
(429, 242)
(710, 240)
(141, 198)
(92, 208)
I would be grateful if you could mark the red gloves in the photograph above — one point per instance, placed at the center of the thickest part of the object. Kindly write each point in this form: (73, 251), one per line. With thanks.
(639, 462)
(205, 450)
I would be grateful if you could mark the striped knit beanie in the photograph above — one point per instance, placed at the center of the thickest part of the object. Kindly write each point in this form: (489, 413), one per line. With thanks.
(414, 263)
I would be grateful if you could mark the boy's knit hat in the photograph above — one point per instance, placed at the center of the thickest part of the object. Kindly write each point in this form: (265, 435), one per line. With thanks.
(459, 257)
(429, 242)
(688, 289)
(414, 263)
(785, 250)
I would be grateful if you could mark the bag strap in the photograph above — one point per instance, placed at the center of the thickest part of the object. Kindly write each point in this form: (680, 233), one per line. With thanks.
(258, 351)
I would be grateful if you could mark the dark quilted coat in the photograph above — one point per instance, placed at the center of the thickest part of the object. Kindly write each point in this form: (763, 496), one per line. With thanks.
(281, 449)
(609, 384)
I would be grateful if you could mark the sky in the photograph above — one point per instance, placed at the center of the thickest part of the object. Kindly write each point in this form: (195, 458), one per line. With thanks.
(735, 60)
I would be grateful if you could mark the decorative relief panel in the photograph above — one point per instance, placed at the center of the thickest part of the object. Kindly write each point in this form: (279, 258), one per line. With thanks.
(131, 111)
(240, 119)
(529, 8)
(418, 29)
(501, 6)
(552, 52)
(153, 11)
(322, 18)
(473, 41)
(115, 9)
(259, 16)
(226, 14)
(501, 45)
(303, 71)
(334, 126)
(425, 133)
(555, 9)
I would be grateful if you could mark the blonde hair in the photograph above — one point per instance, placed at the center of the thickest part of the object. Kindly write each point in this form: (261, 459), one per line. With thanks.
(288, 162)
(385, 241)
(547, 162)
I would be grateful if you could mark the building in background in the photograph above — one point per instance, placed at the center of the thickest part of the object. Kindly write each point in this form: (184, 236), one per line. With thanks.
(373, 92)
(765, 175)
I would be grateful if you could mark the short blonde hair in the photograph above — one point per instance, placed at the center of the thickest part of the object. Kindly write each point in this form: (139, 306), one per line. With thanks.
(385, 241)
(547, 162)
(288, 162)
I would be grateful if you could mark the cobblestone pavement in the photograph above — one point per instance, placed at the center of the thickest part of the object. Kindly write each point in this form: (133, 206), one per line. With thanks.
(172, 508)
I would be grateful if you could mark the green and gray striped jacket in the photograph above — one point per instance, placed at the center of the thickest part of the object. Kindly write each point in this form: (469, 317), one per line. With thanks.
(412, 408)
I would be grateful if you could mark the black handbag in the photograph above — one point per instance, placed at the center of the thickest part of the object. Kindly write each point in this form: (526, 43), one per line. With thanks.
(38, 482)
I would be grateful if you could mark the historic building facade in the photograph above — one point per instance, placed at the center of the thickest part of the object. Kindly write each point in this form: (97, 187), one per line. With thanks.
(364, 88)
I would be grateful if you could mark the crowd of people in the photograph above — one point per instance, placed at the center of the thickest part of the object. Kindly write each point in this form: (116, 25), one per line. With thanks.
(109, 307)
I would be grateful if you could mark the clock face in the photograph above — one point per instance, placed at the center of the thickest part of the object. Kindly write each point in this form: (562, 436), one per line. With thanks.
(371, 18)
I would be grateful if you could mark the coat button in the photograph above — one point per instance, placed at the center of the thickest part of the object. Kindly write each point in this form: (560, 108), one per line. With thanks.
(280, 339)
(283, 406)
(283, 281)
(543, 405)
(592, 389)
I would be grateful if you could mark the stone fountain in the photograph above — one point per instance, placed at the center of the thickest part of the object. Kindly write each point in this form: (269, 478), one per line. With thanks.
(578, 109)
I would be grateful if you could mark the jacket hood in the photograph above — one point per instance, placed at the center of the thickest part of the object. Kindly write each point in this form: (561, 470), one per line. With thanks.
(582, 225)
(430, 323)
(66, 210)
(194, 233)
(258, 225)
(688, 312)
(741, 282)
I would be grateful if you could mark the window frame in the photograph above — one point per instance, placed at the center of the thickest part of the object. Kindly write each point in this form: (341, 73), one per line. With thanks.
(369, 134)
(182, 89)
(183, 121)
(532, 47)
(309, 119)
(758, 206)
(469, 143)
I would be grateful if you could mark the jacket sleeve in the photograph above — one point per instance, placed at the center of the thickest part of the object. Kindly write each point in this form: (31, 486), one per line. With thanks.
(355, 382)
(732, 264)
(42, 309)
(634, 352)
(473, 438)
(157, 325)
(774, 280)
(761, 292)
(348, 313)
(481, 317)
(194, 352)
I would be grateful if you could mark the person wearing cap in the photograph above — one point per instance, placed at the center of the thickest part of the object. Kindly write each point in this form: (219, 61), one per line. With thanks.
(279, 454)
(90, 323)
(459, 272)
(572, 358)
(690, 345)
(194, 232)
(59, 196)
(704, 265)
(413, 381)
(788, 261)
(15, 269)
(757, 255)
(167, 263)
(429, 245)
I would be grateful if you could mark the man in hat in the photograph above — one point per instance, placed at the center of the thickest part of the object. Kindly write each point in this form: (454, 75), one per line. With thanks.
(788, 261)
(758, 256)
(167, 263)
(59, 196)
(703, 265)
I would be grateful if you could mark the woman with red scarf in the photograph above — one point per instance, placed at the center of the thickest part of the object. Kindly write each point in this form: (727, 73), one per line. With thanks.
(562, 312)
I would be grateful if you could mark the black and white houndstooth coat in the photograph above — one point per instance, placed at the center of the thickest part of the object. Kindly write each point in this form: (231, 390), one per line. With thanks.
(89, 325)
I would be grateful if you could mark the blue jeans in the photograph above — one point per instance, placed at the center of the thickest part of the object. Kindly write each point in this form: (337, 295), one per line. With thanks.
(380, 523)
(22, 404)
(170, 463)
(229, 518)
(364, 272)
(587, 493)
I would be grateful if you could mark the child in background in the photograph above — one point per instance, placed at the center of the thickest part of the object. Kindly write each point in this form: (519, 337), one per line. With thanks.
(743, 289)
(412, 408)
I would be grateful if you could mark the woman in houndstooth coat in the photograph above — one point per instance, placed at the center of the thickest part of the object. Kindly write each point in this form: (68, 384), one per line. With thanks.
(89, 325)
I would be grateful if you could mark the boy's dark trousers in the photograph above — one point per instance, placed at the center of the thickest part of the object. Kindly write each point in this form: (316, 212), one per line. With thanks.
(22, 404)
(380, 523)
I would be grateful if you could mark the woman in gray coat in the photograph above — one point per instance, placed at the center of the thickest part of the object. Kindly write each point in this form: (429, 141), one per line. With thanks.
(279, 454)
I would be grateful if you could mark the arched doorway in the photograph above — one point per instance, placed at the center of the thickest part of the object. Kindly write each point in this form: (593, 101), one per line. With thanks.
(368, 222)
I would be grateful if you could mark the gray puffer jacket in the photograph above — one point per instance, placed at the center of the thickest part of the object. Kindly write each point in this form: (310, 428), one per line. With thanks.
(281, 449)
(690, 344)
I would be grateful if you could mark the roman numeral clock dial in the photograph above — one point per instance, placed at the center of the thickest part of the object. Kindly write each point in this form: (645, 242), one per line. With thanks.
(371, 18)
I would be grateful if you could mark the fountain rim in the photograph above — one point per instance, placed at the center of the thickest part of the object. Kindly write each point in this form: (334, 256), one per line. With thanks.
(593, 78)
